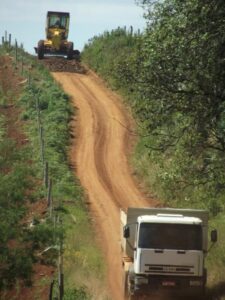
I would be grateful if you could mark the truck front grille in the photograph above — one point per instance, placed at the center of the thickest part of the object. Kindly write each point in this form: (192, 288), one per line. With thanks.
(169, 269)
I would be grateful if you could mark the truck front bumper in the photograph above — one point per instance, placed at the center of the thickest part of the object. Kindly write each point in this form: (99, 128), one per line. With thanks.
(169, 285)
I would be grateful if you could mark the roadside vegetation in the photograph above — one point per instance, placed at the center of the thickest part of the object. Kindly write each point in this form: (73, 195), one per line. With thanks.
(172, 76)
(16, 260)
(41, 102)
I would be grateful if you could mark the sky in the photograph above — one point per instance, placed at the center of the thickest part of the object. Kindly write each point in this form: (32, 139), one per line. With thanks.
(25, 19)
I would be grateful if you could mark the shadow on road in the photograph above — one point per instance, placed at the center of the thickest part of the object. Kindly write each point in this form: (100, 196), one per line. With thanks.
(217, 292)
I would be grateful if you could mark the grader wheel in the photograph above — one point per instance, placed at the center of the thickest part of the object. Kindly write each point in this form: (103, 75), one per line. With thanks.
(70, 50)
(40, 49)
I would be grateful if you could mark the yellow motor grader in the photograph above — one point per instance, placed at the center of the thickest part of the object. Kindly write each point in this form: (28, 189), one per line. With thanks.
(57, 30)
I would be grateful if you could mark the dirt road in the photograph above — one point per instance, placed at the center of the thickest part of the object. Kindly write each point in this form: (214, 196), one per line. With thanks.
(100, 154)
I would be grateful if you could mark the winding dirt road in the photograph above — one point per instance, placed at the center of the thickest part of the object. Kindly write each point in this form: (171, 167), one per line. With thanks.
(100, 155)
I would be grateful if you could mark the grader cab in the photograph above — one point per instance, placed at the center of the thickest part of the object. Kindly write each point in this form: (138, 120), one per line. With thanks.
(57, 30)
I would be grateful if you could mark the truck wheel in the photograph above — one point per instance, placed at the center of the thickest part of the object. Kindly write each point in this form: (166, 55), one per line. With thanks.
(130, 287)
(76, 54)
(41, 49)
(133, 297)
(70, 50)
(125, 285)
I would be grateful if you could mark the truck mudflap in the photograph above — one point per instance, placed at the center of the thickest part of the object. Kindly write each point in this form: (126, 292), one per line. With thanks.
(182, 286)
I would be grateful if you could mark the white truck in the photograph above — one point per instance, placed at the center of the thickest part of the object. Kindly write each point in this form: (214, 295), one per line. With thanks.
(164, 250)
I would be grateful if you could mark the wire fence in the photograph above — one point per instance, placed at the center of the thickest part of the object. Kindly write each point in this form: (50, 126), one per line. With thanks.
(48, 184)
(56, 289)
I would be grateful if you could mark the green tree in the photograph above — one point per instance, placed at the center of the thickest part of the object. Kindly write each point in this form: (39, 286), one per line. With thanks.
(181, 90)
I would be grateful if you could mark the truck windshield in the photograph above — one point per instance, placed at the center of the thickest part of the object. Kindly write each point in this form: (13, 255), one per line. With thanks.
(170, 236)
(56, 20)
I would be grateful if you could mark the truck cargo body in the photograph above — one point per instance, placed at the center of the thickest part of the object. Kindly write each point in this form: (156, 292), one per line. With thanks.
(164, 249)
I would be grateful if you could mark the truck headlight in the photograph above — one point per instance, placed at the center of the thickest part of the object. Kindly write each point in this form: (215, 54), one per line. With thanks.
(195, 283)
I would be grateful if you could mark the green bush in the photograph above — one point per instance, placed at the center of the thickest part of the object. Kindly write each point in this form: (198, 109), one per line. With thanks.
(15, 263)
(43, 235)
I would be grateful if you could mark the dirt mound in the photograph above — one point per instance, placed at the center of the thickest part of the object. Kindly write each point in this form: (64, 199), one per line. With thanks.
(61, 64)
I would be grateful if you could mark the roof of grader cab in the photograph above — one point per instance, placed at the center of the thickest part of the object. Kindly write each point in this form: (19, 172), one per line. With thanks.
(66, 14)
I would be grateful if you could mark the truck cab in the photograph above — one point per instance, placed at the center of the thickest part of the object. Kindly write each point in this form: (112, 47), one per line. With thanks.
(166, 250)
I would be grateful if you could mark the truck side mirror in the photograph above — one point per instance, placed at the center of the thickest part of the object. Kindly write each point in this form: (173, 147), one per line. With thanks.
(126, 232)
(214, 236)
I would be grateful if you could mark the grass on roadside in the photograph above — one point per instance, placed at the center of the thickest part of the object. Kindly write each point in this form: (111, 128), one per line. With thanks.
(83, 258)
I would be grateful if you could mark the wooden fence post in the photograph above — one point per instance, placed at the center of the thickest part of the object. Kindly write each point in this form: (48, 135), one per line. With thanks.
(61, 275)
(49, 197)
(51, 290)
(40, 130)
(16, 49)
(10, 39)
(38, 113)
(29, 79)
(42, 144)
(54, 236)
(22, 65)
(131, 30)
(46, 174)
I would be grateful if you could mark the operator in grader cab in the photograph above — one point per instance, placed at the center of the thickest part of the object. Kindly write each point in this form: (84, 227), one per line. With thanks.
(57, 30)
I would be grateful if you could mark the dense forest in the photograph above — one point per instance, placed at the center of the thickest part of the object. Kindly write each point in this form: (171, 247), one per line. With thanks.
(172, 75)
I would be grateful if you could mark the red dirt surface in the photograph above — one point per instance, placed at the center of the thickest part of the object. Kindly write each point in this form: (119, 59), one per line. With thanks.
(100, 155)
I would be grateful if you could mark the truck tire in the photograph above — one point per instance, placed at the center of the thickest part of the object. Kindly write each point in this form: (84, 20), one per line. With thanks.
(133, 297)
(76, 54)
(70, 50)
(125, 285)
(41, 49)
(130, 285)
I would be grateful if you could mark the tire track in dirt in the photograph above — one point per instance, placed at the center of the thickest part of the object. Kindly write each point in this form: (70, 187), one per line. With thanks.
(100, 155)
